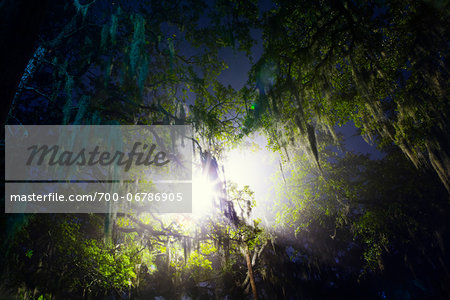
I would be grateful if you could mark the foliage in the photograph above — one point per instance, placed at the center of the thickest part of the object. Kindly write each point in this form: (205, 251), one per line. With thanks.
(345, 224)
(72, 247)
(382, 65)
(379, 206)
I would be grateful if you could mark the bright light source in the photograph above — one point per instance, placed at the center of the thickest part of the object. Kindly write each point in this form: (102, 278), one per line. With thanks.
(203, 193)
(249, 165)
(239, 167)
(252, 164)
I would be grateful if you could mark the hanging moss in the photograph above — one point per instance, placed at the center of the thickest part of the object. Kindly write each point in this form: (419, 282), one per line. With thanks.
(66, 111)
(171, 52)
(82, 107)
(95, 119)
(137, 42)
(81, 8)
(104, 36)
(68, 105)
(114, 26)
(143, 73)
(108, 70)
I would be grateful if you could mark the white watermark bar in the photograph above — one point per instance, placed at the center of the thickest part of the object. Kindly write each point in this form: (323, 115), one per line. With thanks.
(98, 169)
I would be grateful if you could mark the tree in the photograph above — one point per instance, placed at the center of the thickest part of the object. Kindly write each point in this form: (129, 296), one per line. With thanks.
(73, 247)
(125, 63)
(139, 64)
(380, 210)
(381, 65)
(347, 226)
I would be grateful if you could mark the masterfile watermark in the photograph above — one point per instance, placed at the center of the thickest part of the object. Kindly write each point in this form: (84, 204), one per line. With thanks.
(122, 161)
(69, 158)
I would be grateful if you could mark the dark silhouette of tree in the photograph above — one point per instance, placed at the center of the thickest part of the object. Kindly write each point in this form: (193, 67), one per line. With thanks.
(21, 21)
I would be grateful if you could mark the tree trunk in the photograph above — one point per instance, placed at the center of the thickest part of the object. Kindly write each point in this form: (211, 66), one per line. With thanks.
(250, 273)
(168, 256)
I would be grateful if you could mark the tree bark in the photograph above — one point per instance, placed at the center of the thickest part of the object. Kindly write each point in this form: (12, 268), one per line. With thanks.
(250, 273)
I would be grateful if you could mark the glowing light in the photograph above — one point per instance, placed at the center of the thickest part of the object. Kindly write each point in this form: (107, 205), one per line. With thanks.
(245, 167)
(203, 195)
(252, 165)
